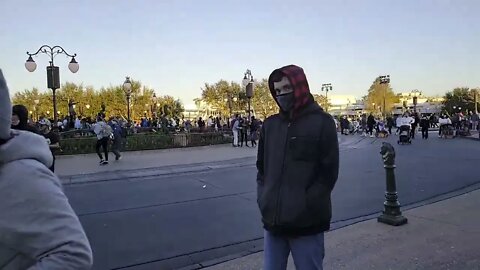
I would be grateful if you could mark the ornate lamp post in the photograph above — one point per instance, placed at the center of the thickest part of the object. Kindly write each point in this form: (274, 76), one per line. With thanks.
(248, 84)
(384, 80)
(127, 88)
(415, 93)
(153, 106)
(53, 72)
(327, 87)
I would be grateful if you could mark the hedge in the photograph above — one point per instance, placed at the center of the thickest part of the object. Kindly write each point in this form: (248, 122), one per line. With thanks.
(145, 141)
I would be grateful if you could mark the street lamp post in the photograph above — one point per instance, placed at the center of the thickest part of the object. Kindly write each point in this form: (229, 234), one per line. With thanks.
(53, 72)
(384, 80)
(415, 93)
(326, 87)
(248, 84)
(127, 88)
(153, 106)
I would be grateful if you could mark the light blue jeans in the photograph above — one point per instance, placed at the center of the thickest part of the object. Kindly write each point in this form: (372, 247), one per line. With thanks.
(307, 251)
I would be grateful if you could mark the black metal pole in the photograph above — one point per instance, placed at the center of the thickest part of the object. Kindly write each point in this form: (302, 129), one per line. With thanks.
(391, 214)
(249, 110)
(128, 110)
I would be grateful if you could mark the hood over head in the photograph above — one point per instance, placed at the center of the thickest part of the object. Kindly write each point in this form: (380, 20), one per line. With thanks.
(16, 144)
(5, 110)
(22, 113)
(298, 80)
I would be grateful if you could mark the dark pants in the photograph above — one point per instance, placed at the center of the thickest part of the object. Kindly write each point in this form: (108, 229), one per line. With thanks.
(412, 131)
(104, 144)
(390, 129)
(424, 133)
(116, 145)
(370, 129)
(243, 138)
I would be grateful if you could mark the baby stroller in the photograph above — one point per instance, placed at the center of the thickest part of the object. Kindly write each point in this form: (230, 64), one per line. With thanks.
(448, 131)
(404, 137)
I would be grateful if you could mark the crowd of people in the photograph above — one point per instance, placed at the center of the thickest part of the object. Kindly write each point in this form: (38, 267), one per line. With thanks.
(369, 125)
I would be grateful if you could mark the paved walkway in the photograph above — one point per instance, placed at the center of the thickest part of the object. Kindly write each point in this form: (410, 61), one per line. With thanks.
(87, 164)
(442, 235)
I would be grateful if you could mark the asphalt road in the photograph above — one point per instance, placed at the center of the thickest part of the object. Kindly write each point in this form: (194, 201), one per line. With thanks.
(175, 221)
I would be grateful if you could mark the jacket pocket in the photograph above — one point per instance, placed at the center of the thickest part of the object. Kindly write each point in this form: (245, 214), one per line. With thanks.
(304, 148)
(319, 203)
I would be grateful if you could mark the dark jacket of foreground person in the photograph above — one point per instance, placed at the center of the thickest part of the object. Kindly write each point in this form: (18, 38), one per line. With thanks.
(297, 164)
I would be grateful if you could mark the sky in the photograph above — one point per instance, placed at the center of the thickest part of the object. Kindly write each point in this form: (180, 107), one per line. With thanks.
(176, 46)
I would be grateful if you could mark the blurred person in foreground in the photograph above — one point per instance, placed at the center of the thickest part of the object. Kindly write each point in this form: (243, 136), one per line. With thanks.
(38, 228)
(297, 165)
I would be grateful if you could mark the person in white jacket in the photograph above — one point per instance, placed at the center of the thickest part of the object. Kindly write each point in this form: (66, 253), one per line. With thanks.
(38, 228)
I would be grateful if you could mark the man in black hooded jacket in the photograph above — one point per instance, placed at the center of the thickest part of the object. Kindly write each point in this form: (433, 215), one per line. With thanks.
(297, 169)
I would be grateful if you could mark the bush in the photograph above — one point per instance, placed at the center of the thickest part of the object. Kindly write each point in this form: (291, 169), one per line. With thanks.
(145, 141)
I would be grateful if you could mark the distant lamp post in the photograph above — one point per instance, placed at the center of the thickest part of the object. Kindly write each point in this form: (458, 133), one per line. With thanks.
(127, 88)
(154, 102)
(415, 93)
(248, 84)
(327, 87)
(384, 80)
(53, 72)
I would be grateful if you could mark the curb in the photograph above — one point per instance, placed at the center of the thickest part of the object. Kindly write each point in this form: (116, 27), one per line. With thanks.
(336, 225)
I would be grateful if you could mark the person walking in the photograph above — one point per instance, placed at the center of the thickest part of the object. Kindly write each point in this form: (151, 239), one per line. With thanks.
(363, 123)
(118, 134)
(253, 131)
(474, 119)
(371, 123)
(38, 228)
(424, 125)
(235, 130)
(103, 132)
(390, 124)
(297, 166)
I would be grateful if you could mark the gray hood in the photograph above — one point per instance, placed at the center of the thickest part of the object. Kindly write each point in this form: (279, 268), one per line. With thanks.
(26, 145)
(19, 144)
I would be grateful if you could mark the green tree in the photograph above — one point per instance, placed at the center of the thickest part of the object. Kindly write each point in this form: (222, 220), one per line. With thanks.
(460, 97)
(221, 95)
(321, 100)
(377, 94)
(262, 101)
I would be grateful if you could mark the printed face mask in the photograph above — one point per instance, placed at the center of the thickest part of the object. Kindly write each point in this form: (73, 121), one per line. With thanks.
(286, 101)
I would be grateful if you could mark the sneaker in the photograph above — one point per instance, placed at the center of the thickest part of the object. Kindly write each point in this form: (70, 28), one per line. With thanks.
(101, 161)
(105, 162)
(118, 157)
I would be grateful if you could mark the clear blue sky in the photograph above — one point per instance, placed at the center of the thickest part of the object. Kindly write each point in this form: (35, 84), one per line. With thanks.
(175, 46)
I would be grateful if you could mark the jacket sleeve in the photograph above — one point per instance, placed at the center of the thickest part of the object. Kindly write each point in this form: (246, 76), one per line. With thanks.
(329, 157)
(260, 156)
(37, 220)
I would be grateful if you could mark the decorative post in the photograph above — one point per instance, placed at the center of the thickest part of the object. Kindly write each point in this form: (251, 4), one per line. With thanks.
(391, 214)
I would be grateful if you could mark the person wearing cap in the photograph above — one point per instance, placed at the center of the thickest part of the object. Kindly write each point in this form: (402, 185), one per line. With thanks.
(38, 227)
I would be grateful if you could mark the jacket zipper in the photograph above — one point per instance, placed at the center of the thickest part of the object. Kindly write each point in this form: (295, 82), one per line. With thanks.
(277, 209)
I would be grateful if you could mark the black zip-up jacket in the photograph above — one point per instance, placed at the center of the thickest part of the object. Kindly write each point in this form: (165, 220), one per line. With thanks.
(297, 166)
